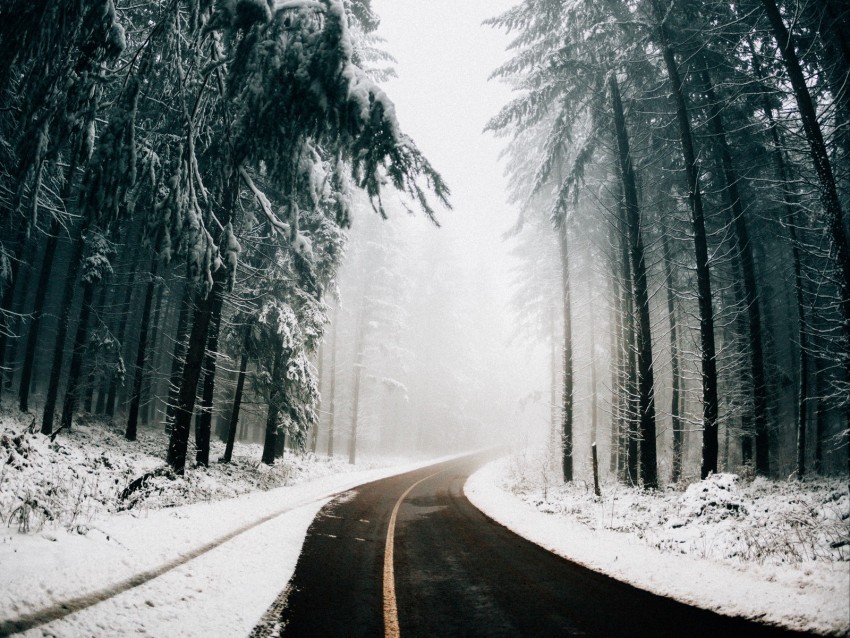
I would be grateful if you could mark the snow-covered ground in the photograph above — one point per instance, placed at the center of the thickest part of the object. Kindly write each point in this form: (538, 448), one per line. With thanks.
(777, 551)
(774, 551)
(67, 535)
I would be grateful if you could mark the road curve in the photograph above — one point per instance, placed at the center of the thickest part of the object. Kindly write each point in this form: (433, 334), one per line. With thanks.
(458, 573)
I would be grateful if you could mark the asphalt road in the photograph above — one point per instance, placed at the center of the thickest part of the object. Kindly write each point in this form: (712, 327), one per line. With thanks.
(458, 573)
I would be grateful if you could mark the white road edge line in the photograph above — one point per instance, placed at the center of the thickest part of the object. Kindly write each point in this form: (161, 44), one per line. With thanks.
(391, 629)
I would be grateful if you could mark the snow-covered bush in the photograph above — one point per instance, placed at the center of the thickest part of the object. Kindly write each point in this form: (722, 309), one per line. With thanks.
(93, 470)
(723, 517)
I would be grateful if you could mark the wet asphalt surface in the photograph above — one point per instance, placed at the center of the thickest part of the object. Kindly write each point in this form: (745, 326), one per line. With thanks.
(458, 573)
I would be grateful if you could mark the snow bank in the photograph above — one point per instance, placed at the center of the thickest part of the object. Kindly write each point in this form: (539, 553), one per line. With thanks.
(223, 590)
(691, 546)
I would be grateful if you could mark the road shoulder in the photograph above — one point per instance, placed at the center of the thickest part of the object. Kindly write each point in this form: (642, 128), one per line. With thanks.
(821, 607)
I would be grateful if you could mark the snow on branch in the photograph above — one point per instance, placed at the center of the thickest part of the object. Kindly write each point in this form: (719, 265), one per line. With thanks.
(298, 4)
(264, 202)
(300, 243)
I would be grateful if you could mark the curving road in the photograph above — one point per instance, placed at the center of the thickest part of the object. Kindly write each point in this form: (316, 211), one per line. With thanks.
(411, 556)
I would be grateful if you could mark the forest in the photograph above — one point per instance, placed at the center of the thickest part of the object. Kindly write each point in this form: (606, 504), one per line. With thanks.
(177, 182)
(186, 185)
(682, 172)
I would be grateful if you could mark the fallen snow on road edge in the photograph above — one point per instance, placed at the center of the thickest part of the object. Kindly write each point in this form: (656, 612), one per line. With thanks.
(223, 592)
(744, 591)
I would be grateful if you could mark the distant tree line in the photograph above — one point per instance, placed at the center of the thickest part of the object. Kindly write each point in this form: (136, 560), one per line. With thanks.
(176, 180)
(689, 162)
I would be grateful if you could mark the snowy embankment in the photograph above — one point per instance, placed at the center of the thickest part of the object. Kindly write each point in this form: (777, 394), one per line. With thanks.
(777, 552)
(63, 537)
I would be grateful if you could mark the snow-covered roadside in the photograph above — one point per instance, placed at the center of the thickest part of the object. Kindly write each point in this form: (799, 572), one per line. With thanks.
(222, 593)
(811, 597)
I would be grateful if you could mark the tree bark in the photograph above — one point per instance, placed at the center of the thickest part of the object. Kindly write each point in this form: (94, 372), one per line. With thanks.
(554, 389)
(204, 427)
(617, 359)
(820, 413)
(69, 404)
(146, 395)
(21, 288)
(629, 431)
(355, 408)
(823, 169)
(750, 288)
(91, 380)
(237, 405)
(41, 295)
(314, 431)
(792, 223)
(594, 381)
(646, 382)
(141, 354)
(181, 342)
(567, 397)
(37, 314)
(710, 406)
(61, 333)
(205, 304)
(332, 411)
(112, 391)
(675, 416)
(10, 285)
(274, 411)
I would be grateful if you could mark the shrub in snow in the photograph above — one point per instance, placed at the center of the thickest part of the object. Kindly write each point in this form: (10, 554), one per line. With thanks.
(93, 471)
(720, 518)
(714, 498)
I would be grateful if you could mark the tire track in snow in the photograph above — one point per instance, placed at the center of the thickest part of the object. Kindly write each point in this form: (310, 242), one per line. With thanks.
(67, 607)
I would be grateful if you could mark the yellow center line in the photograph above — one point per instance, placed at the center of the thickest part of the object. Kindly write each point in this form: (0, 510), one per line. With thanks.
(390, 609)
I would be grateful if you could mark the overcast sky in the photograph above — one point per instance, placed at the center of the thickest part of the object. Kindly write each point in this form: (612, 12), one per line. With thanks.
(443, 100)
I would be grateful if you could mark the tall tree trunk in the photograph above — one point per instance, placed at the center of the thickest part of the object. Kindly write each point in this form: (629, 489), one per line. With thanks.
(141, 354)
(274, 410)
(629, 431)
(359, 363)
(332, 411)
(792, 223)
(9, 286)
(205, 305)
(823, 169)
(112, 391)
(748, 269)
(237, 405)
(314, 431)
(554, 388)
(820, 412)
(617, 359)
(41, 294)
(204, 427)
(280, 445)
(745, 375)
(16, 325)
(37, 314)
(675, 416)
(61, 333)
(181, 342)
(355, 408)
(146, 395)
(646, 382)
(567, 397)
(832, 22)
(710, 406)
(594, 381)
(92, 376)
(69, 405)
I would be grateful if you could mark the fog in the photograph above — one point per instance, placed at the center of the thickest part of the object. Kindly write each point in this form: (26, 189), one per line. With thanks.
(442, 370)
